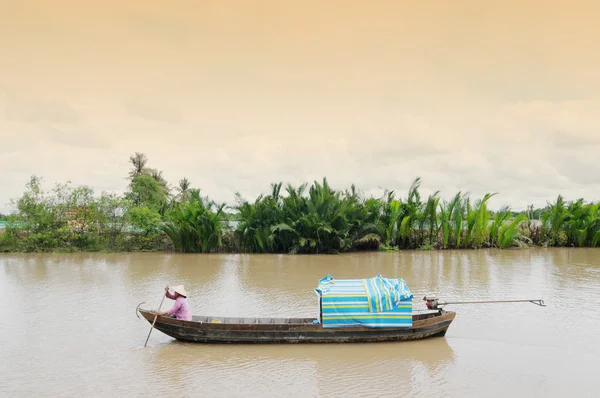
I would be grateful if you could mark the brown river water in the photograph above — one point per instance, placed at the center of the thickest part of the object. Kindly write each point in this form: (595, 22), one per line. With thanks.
(68, 326)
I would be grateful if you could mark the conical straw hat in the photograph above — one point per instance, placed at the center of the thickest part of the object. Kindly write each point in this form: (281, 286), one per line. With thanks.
(180, 289)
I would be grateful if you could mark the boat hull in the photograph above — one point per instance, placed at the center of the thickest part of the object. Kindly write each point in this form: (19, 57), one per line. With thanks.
(294, 330)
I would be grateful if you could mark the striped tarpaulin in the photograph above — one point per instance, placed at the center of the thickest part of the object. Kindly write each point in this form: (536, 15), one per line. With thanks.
(375, 302)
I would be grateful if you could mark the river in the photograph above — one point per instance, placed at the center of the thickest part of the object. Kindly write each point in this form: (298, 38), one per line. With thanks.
(68, 326)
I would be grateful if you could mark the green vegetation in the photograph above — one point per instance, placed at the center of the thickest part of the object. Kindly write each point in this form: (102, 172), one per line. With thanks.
(153, 216)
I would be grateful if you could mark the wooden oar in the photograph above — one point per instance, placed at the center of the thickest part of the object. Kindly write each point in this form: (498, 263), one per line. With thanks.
(155, 316)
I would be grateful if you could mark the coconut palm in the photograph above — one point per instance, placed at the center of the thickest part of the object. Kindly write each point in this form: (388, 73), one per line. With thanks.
(138, 161)
(183, 190)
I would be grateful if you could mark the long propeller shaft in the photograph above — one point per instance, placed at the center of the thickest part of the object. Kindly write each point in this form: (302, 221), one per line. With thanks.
(536, 302)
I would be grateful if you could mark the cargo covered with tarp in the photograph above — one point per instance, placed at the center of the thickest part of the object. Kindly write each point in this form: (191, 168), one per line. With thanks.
(376, 302)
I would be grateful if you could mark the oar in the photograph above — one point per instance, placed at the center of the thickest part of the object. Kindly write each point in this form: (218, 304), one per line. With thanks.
(155, 316)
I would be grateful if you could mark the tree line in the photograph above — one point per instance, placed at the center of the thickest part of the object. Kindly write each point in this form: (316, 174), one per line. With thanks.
(154, 216)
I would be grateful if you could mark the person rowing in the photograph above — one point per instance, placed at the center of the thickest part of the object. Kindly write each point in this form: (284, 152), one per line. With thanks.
(181, 308)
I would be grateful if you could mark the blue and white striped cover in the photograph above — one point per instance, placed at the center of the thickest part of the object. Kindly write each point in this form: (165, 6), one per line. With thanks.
(375, 302)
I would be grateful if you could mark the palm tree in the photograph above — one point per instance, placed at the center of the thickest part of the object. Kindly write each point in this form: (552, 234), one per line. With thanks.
(451, 220)
(184, 190)
(195, 226)
(139, 162)
(157, 175)
(478, 222)
(411, 213)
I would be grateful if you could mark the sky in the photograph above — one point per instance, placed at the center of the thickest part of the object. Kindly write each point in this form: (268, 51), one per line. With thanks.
(495, 96)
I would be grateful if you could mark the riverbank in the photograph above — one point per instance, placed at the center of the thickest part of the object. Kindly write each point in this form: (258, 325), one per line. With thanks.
(303, 219)
(161, 243)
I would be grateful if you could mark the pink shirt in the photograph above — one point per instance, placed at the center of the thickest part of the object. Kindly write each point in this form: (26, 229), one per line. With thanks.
(181, 309)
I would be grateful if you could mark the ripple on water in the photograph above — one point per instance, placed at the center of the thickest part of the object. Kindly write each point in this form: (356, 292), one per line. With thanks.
(79, 334)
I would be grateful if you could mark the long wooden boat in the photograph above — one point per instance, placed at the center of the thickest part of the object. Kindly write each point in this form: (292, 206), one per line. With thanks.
(350, 311)
(206, 329)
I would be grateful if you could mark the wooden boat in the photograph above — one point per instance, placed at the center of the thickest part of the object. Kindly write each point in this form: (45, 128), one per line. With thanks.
(350, 311)
(207, 329)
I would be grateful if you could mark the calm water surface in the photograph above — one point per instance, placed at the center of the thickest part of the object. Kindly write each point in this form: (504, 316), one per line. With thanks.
(68, 326)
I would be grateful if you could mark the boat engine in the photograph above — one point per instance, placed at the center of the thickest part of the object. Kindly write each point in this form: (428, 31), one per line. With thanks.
(431, 301)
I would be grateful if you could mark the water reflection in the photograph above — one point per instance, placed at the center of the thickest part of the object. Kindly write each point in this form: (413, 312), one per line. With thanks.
(388, 366)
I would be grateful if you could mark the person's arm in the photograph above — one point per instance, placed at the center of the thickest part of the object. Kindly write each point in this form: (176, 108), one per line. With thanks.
(171, 311)
(168, 294)
(175, 308)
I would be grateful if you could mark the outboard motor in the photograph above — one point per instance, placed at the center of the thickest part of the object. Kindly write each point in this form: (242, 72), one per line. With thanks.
(431, 301)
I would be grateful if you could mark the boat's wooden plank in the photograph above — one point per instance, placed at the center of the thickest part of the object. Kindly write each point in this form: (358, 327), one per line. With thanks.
(294, 330)
(315, 336)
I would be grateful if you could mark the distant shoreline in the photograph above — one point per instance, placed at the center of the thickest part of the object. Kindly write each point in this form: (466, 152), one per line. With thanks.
(364, 251)
(154, 216)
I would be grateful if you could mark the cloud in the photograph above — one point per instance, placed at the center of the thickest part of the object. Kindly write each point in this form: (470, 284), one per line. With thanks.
(525, 165)
(152, 25)
(76, 138)
(32, 110)
(562, 123)
(151, 110)
(234, 98)
(579, 169)
(503, 151)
